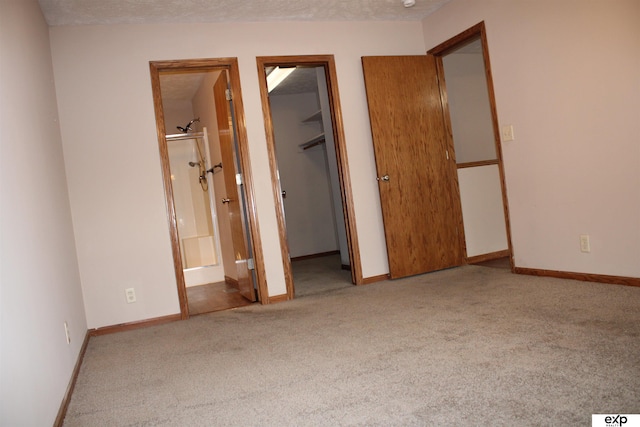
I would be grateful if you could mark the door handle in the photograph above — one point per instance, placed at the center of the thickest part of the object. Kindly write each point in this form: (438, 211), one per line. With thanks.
(226, 200)
(384, 178)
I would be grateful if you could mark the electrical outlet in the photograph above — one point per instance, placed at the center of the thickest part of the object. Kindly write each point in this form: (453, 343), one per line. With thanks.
(66, 332)
(585, 245)
(131, 295)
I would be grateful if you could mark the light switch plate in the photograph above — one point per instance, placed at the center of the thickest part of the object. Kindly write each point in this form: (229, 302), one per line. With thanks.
(585, 244)
(507, 133)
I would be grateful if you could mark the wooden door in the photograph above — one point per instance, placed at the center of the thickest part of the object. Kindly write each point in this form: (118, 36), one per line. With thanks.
(415, 169)
(233, 198)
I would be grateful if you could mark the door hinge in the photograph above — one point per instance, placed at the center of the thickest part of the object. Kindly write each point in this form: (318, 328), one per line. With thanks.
(227, 94)
(251, 264)
(447, 154)
(238, 179)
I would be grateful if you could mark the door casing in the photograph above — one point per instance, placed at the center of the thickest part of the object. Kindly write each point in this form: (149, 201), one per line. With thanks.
(231, 65)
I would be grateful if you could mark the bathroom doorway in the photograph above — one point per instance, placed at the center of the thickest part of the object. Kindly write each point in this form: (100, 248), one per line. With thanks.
(208, 187)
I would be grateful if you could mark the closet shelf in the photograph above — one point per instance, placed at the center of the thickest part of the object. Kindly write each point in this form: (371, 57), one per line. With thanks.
(316, 140)
(315, 117)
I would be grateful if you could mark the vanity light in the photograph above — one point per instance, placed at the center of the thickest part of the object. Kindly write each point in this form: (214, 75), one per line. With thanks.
(409, 3)
(277, 76)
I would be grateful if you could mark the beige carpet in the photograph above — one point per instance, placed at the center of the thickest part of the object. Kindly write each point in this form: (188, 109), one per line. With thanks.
(464, 347)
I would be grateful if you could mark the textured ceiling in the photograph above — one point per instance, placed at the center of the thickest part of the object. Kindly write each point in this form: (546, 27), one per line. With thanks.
(100, 12)
(180, 86)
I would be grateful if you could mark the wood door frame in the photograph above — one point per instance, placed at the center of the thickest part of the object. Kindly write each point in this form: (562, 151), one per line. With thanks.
(443, 49)
(213, 64)
(328, 62)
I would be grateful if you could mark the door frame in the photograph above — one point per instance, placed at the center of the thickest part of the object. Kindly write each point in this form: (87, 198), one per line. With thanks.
(441, 50)
(328, 62)
(213, 64)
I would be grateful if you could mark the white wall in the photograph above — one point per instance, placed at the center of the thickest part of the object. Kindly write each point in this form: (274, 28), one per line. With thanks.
(469, 107)
(566, 77)
(332, 164)
(106, 109)
(304, 175)
(482, 210)
(39, 280)
(176, 113)
(473, 138)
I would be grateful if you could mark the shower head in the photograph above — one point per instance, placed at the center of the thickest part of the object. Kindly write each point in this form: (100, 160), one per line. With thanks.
(187, 128)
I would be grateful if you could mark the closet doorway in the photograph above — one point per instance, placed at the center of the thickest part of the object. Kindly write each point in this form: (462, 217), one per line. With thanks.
(309, 169)
(208, 187)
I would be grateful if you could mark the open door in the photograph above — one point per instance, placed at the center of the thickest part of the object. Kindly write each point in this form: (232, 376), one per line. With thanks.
(233, 185)
(416, 169)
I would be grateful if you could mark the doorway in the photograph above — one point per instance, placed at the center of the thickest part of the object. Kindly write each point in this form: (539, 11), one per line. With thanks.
(309, 167)
(218, 264)
(466, 87)
(425, 212)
